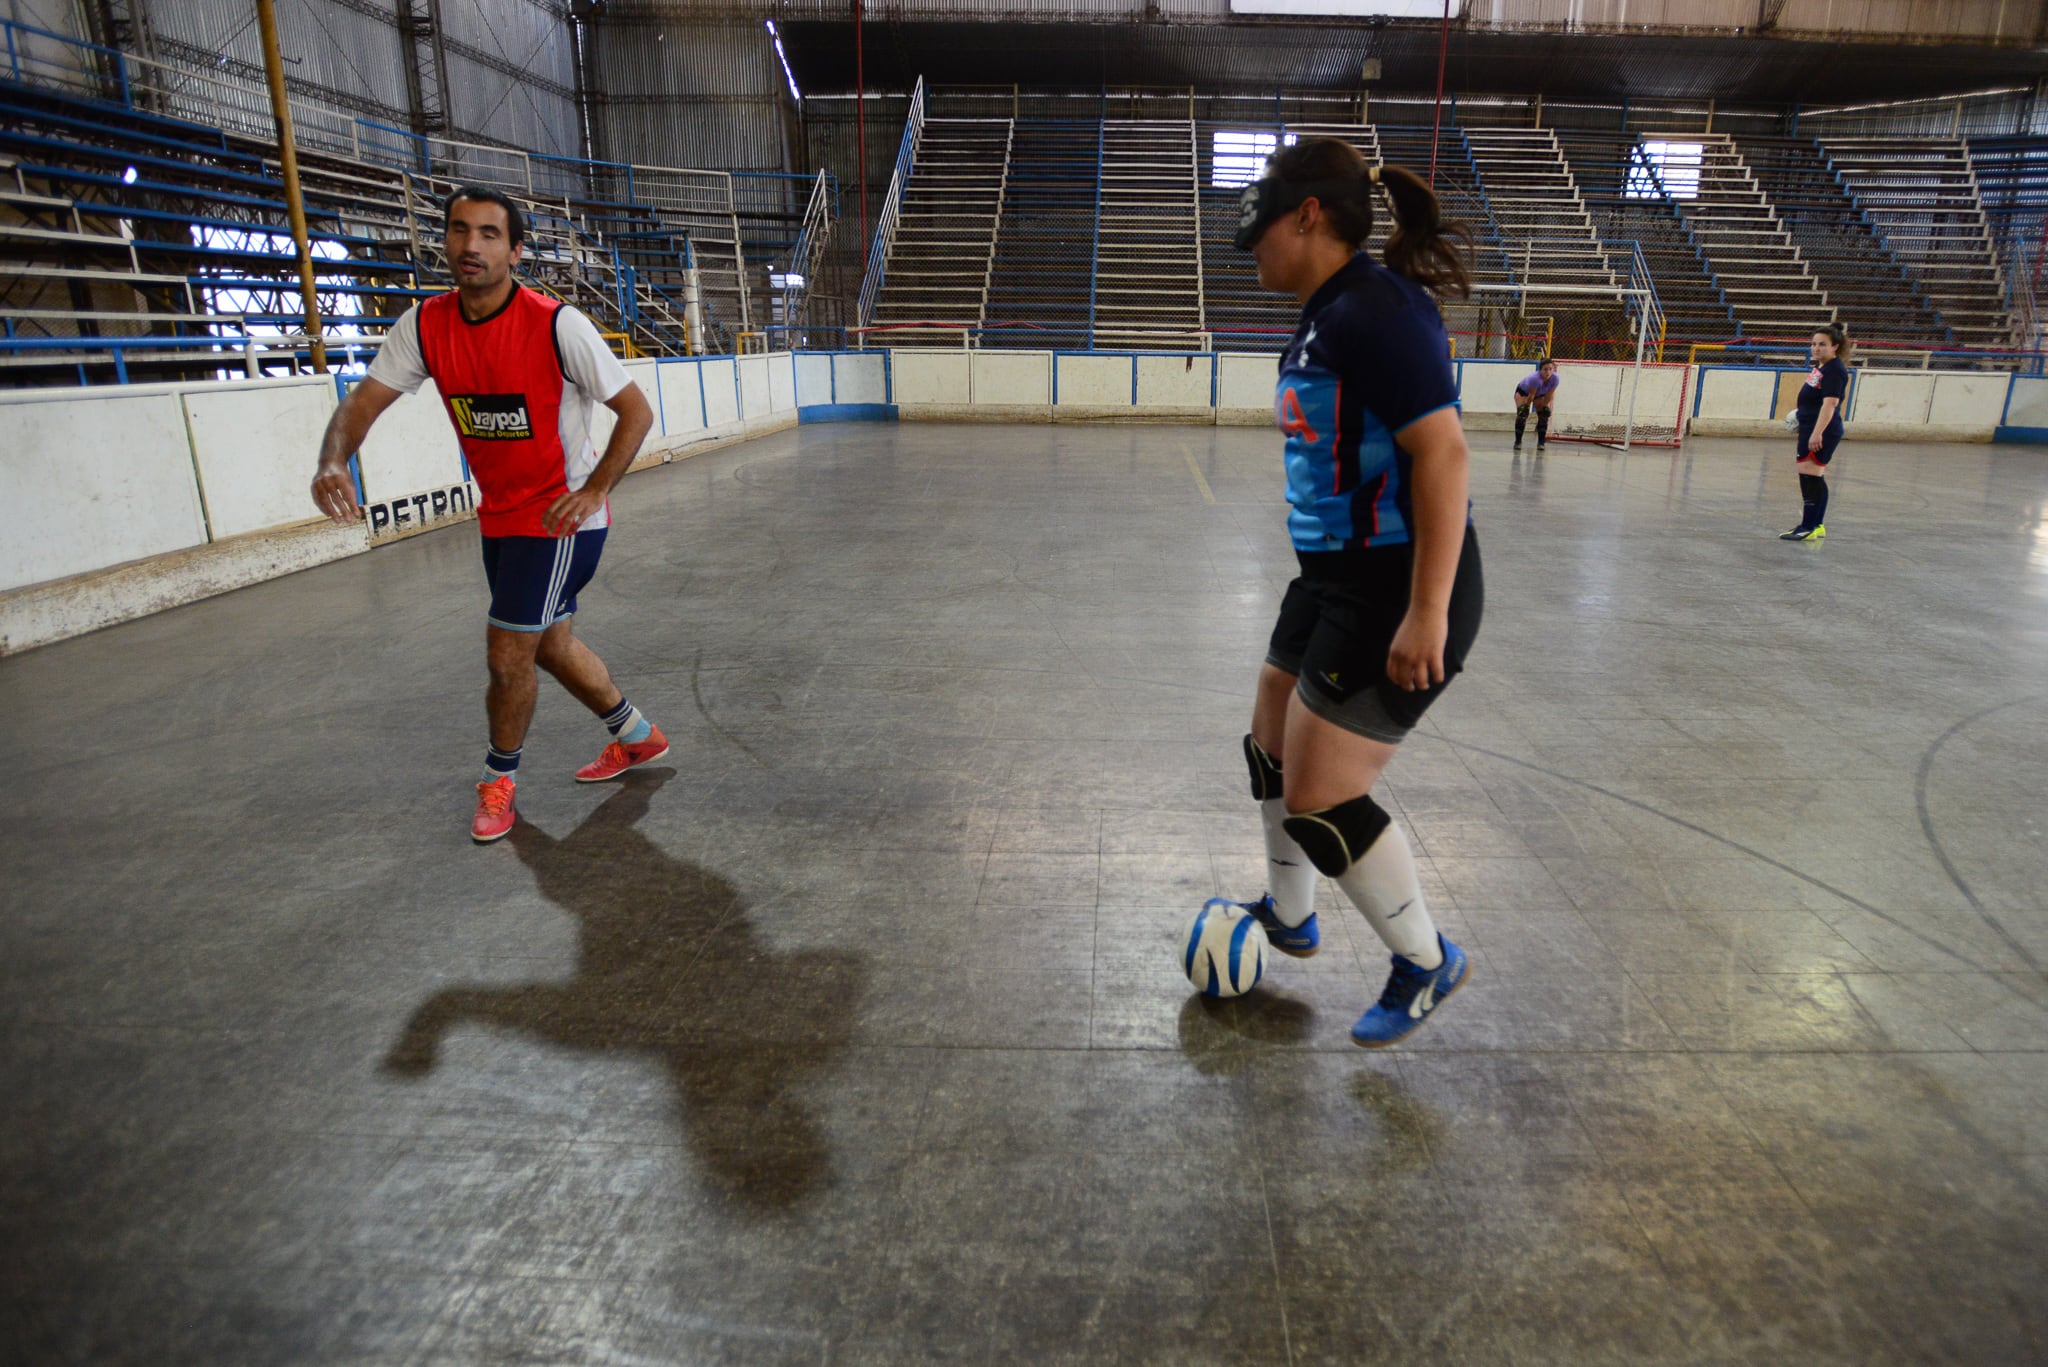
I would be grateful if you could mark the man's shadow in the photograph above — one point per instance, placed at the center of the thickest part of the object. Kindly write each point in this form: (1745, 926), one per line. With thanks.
(670, 967)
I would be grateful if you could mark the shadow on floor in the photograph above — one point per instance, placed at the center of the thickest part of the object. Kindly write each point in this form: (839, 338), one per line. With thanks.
(1225, 1036)
(669, 966)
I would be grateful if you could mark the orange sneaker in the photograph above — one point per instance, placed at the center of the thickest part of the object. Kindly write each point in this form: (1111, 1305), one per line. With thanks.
(494, 815)
(618, 757)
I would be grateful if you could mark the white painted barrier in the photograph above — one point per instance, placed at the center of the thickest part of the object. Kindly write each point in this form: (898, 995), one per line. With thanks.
(2026, 404)
(857, 377)
(1011, 379)
(1742, 395)
(92, 478)
(1244, 387)
(206, 483)
(250, 450)
(931, 379)
(1095, 382)
(1883, 405)
(720, 383)
(411, 451)
(201, 488)
(1185, 382)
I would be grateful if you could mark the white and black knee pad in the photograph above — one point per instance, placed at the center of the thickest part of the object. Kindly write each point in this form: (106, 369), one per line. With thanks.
(1265, 770)
(1337, 837)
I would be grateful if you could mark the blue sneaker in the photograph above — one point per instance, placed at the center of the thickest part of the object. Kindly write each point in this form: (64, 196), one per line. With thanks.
(1411, 994)
(1301, 941)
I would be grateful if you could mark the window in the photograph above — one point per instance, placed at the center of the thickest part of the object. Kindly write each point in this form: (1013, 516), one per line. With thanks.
(1658, 169)
(1236, 156)
(272, 307)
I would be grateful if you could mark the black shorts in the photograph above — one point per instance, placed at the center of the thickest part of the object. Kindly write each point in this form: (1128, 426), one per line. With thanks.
(1334, 636)
(1830, 438)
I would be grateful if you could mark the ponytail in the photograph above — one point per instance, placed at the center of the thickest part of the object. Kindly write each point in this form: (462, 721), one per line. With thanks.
(1424, 247)
(1839, 335)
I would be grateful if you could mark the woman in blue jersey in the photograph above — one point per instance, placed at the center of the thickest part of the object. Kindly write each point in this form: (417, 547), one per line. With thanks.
(1820, 428)
(1536, 391)
(1387, 601)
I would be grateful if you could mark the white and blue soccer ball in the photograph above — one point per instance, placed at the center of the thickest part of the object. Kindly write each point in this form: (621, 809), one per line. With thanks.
(1224, 951)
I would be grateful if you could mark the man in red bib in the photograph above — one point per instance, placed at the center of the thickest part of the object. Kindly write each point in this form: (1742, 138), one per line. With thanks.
(519, 374)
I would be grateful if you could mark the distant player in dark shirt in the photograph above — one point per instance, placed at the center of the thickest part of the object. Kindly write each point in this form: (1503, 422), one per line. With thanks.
(1387, 600)
(1820, 428)
(1535, 392)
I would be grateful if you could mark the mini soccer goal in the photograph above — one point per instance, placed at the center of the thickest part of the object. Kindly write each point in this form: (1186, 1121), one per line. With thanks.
(1612, 390)
(1620, 403)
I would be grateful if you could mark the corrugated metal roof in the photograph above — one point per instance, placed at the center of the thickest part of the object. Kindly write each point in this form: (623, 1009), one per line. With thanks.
(2013, 22)
(1266, 56)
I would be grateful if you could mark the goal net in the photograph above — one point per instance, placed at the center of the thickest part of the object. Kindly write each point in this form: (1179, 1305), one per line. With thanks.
(1595, 399)
(1612, 389)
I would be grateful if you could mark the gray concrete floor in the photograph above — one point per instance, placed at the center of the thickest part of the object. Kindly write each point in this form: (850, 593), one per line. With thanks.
(854, 1032)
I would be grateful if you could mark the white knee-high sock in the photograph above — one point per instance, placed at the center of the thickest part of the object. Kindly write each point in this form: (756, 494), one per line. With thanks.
(1290, 877)
(1383, 885)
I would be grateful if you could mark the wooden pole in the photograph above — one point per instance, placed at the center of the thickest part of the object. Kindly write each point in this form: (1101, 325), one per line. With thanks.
(288, 157)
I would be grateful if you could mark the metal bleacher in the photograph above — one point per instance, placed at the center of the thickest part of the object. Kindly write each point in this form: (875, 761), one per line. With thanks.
(1921, 200)
(144, 229)
(1459, 192)
(1043, 269)
(1544, 227)
(1870, 288)
(1603, 162)
(1242, 314)
(2012, 186)
(936, 286)
(1115, 232)
(1148, 253)
(122, 212)
(1767, 280)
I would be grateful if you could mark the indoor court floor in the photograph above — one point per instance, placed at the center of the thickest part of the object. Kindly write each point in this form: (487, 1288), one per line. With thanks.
(854, 1031)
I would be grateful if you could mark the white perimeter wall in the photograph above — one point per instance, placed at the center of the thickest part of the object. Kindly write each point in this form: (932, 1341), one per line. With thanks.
(1883, 404)
(185, 478)
(91, 479)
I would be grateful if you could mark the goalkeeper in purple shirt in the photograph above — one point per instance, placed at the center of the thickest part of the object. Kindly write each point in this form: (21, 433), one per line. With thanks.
(1535, 392)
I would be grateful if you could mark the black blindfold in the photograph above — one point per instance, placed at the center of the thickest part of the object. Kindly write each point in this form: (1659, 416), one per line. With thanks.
(1268, 198)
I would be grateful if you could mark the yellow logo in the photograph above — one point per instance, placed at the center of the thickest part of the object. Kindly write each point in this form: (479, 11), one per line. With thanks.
(491, 417)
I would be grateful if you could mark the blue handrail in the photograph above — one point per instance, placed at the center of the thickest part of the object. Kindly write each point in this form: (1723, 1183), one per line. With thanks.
(120, 58)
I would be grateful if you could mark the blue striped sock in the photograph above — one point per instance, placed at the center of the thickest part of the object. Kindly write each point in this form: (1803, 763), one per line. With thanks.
(626, 724)
(501, 764)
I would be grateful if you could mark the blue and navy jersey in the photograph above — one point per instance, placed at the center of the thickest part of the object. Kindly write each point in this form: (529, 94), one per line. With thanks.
(1369, 357)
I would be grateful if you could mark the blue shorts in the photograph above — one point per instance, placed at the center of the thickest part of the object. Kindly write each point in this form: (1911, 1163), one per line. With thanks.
(534, 579)
(1830, 438)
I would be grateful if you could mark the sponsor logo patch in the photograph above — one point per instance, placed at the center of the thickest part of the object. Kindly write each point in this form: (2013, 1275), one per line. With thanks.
(491, 417)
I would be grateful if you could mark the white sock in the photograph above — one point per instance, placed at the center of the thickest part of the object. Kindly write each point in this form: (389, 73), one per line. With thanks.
(1289, 875)
(1383, 885)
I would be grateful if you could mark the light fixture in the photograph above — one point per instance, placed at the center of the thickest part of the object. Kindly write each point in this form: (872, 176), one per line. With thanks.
(775, 37)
